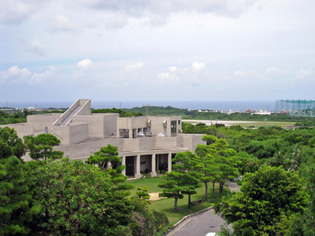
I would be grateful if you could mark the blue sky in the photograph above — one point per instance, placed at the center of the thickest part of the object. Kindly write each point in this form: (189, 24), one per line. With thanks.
(154, 50)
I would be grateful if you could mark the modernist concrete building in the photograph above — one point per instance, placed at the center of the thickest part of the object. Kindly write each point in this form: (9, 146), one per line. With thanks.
(144, 143)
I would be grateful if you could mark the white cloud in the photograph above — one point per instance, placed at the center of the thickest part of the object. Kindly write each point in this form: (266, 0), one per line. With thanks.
(85, 63)
(16, 75)
(37, 78)
(133, 67)
(197, 66)
(37, 47)
(13, 12)
(241, 73)
(62, 23)
(168, 76)
(302, 73)
(173, 68)
(274, 70)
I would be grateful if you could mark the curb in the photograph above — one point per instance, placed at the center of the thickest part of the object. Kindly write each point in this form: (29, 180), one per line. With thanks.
(187, 217)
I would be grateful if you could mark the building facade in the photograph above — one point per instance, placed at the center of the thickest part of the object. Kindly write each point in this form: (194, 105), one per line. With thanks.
(146, 144)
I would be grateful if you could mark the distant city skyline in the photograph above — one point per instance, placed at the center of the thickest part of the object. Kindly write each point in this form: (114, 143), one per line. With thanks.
(152, 50)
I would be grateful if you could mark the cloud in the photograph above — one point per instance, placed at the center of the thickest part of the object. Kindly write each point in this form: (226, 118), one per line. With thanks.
(62, 23)
(197, 66)
(230, 8)
(14, 12)
(302, 73)
(116, 21)
(168, 76)
(241, 73)
(133, 67)
(85, 63)
(173, 68)
(37, 47)
(274, 70)
(17, 75)
(37, 78)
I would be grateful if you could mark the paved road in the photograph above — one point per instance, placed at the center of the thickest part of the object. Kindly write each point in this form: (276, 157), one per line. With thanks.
(201, 224)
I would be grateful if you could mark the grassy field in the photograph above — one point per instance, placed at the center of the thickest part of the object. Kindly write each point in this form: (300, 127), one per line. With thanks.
(167, 205)
(258, 124)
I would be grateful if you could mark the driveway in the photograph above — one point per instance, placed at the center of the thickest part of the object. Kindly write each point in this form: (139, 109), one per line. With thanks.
(201, 224)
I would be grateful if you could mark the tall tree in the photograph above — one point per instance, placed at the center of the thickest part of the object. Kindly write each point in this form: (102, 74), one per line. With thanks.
(186, 163)
(173, 186)
(218, 162)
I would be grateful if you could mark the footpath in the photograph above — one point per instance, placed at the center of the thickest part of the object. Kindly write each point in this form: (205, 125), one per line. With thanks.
(202, 222)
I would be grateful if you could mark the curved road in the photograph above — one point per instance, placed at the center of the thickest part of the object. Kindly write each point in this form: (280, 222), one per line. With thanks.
(200, 225)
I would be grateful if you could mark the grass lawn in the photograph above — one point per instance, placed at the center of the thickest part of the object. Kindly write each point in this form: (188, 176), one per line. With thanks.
(167, 205)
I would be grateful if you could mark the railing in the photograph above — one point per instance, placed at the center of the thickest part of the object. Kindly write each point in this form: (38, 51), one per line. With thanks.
(79, 102)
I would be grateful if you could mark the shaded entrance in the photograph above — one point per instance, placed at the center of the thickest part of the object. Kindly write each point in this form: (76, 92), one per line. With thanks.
(130, 165)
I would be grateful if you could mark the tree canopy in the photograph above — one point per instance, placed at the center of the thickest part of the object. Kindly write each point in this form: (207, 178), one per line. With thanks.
(265, 197)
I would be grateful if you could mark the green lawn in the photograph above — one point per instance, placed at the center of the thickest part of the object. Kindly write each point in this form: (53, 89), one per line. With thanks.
(167, 205)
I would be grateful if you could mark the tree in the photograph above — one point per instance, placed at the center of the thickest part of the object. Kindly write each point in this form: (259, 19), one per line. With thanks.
(187, 164)
(106, 155)
(41, 147)
(218, 162)
(15, 209)
(10, 144)
(172, 186)
(78, 198)
(265, 197)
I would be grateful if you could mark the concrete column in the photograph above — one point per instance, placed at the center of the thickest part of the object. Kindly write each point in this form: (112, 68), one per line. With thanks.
(153, 166)
(123, 162)
(169, 162)
(130, 133)
(138, 175)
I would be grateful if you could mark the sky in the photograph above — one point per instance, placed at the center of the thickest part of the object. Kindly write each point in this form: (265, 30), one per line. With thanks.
(157, 50)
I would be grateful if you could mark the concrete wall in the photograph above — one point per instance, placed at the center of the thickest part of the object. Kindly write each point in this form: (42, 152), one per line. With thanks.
(192, 140)
(147, 143)
(130, 144)
(84, 150)
(165, 143)
(157, 124)
(110, 124)
(39, 122)
(86, 109)
(21, 129)
(78, 133)
(61, 132)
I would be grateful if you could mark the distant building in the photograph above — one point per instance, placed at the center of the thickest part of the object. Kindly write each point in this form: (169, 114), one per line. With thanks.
(145, 143)
(261, 112)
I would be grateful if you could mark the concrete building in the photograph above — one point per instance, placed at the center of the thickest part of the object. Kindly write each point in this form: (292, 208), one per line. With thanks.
(145, 144)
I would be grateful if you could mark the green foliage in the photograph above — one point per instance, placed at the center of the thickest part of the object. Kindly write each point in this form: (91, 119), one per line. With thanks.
(109, 154)
(173, 186)
(122, 113)
(143, 193)
(10, 144)
(41, 147)
(217, 162)
(79, 198)
(16, 117)
(145, 221)
(265, 197)
(15, 209)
